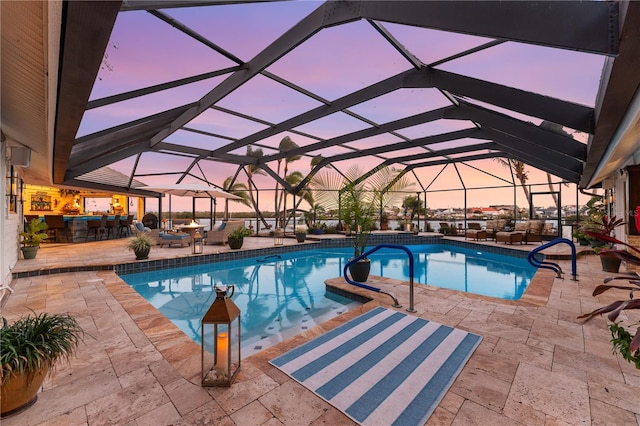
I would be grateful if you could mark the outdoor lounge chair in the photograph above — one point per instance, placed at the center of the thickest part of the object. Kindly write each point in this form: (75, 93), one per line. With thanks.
(527, 232)
(475, 231)
(219, 233)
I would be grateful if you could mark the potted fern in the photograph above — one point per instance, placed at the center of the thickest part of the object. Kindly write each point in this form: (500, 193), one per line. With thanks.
(29, 349)
(34, 234)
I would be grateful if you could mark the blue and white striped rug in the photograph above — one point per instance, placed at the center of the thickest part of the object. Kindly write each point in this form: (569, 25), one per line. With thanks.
(383, 367)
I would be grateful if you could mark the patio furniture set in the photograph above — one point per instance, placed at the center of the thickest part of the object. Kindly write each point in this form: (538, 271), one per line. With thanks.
(218, 235)
(498, 230)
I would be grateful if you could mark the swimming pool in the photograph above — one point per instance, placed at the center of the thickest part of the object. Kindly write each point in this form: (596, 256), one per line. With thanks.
(281, 295)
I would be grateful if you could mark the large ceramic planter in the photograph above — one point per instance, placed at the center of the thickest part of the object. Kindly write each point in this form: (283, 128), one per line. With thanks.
(301, 236)
(235, 243)
(360, 270)
(29, 252)
(21, 391)
(142, 253)
(610, 263)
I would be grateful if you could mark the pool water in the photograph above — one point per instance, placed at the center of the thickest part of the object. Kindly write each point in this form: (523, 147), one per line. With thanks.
(281, 295)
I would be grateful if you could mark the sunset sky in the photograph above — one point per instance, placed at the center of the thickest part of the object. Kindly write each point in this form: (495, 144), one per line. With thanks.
(336, 61)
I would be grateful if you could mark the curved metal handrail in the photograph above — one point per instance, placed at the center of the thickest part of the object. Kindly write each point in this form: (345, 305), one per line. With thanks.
(552, 265)
(368, 287)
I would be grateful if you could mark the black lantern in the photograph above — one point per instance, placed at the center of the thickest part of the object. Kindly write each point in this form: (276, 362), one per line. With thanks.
(198, 243)
(220, 336)
(278, 236)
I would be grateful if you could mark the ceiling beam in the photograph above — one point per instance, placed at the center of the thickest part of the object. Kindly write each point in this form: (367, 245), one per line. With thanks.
(584, 26)
(86, 30)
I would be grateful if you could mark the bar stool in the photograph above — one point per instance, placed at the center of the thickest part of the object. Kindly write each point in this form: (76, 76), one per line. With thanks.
(28, 218)
(55, 223)
(111, 225)
(97, 227)
(125, 225)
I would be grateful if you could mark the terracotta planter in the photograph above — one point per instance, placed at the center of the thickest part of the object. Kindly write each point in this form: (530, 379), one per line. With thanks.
(360, 270)
(21, 391)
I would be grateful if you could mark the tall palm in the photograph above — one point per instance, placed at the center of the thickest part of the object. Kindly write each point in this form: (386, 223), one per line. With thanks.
(286, 144)
(520, 172)
(293, 179)
(238, 189)
(251, 170)
(556, 128)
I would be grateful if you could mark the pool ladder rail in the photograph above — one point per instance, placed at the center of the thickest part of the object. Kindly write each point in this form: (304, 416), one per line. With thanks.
(533, 260)
(377, 290)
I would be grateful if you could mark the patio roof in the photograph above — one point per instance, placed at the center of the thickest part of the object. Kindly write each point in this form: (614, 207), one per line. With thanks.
(400, 103)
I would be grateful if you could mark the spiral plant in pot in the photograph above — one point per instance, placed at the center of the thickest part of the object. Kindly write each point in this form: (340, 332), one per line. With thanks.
(29, 350)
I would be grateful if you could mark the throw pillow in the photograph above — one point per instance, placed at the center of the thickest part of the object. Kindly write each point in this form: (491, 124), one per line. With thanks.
(222, 226)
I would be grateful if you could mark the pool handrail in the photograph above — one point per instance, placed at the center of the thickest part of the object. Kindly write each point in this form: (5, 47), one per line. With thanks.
(368, 287)
(552, 265)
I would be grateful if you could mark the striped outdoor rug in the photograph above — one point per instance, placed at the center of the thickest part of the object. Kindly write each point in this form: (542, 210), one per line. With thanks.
(383, 367)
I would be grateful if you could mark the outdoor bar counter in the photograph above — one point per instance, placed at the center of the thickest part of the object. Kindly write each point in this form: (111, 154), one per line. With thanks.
(76, 225)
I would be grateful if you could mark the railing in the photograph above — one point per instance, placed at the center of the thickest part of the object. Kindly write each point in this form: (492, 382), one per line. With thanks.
(368, 287)
(552, 265)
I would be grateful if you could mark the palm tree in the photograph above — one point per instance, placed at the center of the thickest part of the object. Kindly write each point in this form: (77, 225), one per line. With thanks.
(360, 197)
(251, 170)
(518, 169)
(286, 144)
(238, 189)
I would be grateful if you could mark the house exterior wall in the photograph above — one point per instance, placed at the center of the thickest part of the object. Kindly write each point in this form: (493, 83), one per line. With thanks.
(9, 226)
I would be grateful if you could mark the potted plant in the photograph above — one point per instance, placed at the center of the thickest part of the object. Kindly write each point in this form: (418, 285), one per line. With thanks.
(301, 234)
(625, 343)
(141, 245)
(361, 201)
(580, 236)
(236, 237)
(602, 230)
(29, 348)
(32, 236)
(384, 221)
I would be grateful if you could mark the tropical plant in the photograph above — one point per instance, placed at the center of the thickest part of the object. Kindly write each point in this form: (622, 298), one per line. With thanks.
(623, 341)
(360, 197)
(284, 181)
(34, 233)
(35, 341)
(239, 232)
(520, 172)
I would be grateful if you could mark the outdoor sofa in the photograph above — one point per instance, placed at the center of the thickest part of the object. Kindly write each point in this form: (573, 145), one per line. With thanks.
(527, 232)
(161, 237)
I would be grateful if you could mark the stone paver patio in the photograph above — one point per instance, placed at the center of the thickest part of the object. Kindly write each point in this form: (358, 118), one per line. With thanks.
(537, 364)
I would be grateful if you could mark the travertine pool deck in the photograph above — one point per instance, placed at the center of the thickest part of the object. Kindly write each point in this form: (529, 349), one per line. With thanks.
(537, 364)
